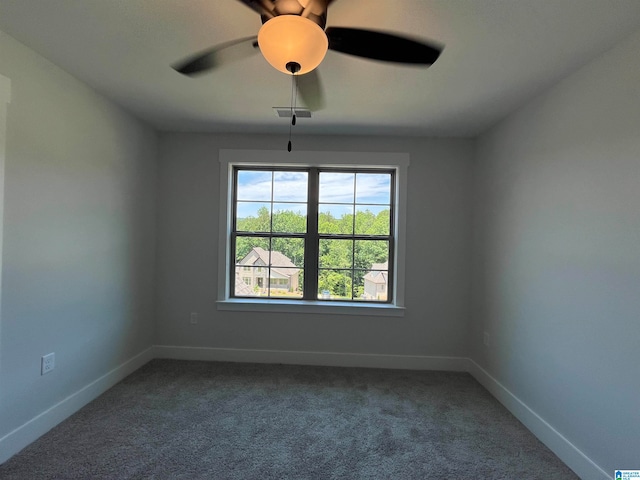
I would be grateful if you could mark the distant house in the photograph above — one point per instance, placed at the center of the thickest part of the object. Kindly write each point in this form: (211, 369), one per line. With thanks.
(242, 288)
(375, 282)
(253, 273)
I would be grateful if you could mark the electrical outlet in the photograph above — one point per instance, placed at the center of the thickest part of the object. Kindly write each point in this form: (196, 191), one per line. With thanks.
(194, 318)
(48, 363)
(487, 339)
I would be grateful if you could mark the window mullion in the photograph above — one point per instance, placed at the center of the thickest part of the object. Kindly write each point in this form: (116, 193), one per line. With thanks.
(354, 211)
(232, 249)
(311, 242)
(271, 212)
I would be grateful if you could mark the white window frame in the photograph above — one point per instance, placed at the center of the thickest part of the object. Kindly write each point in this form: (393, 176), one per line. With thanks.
(276, 158)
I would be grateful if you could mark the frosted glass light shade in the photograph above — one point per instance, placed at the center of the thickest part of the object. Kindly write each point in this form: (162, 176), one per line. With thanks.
(291, 38)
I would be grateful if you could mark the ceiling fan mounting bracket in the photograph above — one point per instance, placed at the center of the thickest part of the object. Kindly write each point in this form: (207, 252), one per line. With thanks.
(293, 67)
(314, 10)
(320, 21)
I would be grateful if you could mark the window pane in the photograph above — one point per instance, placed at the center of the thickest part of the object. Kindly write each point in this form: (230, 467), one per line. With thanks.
(371, 254)
(290, 186)
(252, 251)
(334, 284)
(335, 219)
(373, 285)
(287, 262)
(372, 220)
(247, 282)
(336, 187)
(253, 217)
(371, 276)
(288, 252)
(290, 217)
(285, 282)
(266, 272)
(336, 254)
(251, 267)
(254, 185)
(373, 188)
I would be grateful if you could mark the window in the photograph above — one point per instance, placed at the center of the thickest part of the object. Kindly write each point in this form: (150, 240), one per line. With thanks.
(311, 247)
(313, 230)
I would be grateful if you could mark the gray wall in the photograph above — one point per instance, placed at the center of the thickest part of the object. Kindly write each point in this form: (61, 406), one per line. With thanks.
(438, 254)
(557, 256)
(79, 225)
(551, 202)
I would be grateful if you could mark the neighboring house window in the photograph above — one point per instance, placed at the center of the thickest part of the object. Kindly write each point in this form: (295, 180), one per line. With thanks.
(314, 232)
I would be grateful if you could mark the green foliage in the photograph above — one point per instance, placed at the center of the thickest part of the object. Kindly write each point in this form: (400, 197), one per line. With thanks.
(292, 248)
(327, 223)
(261, 223)
(338, 283)
(289, 222)
(245, 244)
(356, 258)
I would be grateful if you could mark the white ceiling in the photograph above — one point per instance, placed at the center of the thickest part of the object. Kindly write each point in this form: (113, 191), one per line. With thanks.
(498, 54)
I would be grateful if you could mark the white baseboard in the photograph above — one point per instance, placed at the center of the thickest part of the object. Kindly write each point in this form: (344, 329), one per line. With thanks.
(582, 465)
(330, 359)
(22, 436)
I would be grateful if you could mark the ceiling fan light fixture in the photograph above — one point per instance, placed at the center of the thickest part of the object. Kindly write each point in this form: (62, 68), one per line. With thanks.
(292, 38)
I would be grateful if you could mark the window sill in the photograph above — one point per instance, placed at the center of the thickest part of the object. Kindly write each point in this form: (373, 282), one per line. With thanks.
(297, 306)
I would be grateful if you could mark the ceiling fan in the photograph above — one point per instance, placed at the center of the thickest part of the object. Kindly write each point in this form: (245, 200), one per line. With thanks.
(293, 39)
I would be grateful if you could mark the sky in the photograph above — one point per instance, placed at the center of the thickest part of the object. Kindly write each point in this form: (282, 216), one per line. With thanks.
(290, 191)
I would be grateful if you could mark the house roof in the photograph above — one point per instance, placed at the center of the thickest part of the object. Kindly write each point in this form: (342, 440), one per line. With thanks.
(280, 263)
(277, 258)
(377, 277)
(242, 288)
(380, 266)
(379, 273)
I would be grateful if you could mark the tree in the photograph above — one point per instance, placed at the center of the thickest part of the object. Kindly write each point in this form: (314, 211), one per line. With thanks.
(343, 262)
(261, 223)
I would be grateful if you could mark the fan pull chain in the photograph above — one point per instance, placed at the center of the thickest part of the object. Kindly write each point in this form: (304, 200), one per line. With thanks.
(294, 95)
(293, 68)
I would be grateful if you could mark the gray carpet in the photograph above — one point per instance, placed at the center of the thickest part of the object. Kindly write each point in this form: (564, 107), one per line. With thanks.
(199, 420)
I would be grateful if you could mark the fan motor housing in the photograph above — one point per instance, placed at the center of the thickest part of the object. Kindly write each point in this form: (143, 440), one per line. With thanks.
(315, 10)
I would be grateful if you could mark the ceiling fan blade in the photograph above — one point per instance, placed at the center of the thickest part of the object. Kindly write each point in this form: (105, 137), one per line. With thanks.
(311, 91)
(386, 47)
(263, 7)
(218, 55)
